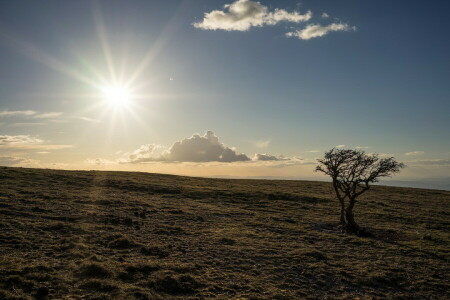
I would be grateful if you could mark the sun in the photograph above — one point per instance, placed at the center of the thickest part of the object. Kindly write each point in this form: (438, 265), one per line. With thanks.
(117, 95)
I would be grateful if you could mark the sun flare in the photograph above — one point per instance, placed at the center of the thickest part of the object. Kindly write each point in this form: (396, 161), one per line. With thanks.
(117, 95)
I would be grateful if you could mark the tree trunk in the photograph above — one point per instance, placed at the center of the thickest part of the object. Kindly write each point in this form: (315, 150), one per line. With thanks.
(341, 201)
(351, 223)
(342, 213)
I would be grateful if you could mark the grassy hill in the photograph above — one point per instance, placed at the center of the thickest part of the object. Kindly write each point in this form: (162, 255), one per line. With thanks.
(119, 235)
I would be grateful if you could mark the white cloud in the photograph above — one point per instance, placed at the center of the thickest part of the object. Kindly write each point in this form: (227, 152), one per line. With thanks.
(241, 15)
(315, 30)
(362, 147)
(49, 115)
(312, 151)
(7, 113)
(340, 146)
(413, 153)
(89, 119)
(325, 15)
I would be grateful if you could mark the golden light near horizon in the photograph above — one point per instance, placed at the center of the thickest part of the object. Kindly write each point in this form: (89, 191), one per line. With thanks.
(116, 95)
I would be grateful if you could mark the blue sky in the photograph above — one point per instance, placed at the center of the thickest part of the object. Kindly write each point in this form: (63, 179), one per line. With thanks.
(380, 81)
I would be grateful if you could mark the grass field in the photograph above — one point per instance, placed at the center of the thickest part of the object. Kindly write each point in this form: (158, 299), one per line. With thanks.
(118, 235)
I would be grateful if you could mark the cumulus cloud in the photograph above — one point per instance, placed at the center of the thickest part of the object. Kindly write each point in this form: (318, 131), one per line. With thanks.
(269, 157)
(241, 15)
(316, 30)
(206, 148)
(413, 153)
(145, 153)
(325, 15)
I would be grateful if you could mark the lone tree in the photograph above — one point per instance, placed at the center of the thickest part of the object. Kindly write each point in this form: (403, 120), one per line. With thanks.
(352, 172)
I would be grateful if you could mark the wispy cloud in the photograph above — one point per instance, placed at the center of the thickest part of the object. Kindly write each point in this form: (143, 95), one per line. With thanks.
(316, 30)
(6, 140)
(8, 113)
(99, 161)
(325, 15)
(241, 15)
(49, 115)
(10, 161)
(340, 146)
(24, 142)
(89, 119)
(30, 114)
(269, 157)
(413, 153)
(436, 162)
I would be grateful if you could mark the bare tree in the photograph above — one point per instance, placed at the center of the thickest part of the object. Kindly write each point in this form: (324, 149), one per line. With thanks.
(352, 172)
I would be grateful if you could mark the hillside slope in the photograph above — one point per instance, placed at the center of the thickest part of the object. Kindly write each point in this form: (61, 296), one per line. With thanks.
(118, 235)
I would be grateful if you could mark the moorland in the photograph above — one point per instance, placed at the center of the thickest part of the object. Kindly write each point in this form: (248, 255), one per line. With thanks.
(123, 235)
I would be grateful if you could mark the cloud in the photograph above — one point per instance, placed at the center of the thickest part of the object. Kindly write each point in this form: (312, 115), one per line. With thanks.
(437, 162)
(27, 142)
(7, 140)
(30, 114)
(9, 161)
(49, 115)
(340, 146)
(206, 148)
(145, 153)
(362, 147)
(325, 15)
(99, 161)
(315, 30)
(269, 157)
(7, 113)
(413, 153)
(89, 119)
(241, 15)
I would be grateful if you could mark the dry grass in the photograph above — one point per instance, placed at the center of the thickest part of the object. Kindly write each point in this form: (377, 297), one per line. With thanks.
(117, 235)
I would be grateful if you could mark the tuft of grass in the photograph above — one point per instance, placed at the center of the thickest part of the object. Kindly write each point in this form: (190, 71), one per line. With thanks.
(94, 270)
(122, 243)
(176, 285)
